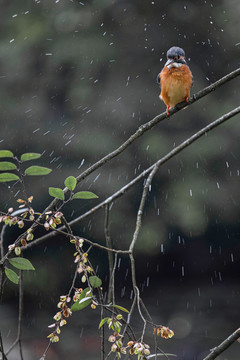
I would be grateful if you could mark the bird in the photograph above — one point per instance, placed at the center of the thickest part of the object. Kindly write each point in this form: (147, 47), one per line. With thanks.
(175, 79)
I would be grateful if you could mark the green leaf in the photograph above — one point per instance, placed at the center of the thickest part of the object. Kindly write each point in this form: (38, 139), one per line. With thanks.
(4, 165)
(37, 170)
(84, 300)
(30, 156)
(103, 322)
(120, 308)
(11, 275)
(57, 193)
(70, 182)
(84, 195)
(6, 153)
(21, 263)
(95, 281)
(5, 177)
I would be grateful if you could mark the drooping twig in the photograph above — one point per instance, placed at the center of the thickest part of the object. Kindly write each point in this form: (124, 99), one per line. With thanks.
(132, 244)
(223, 346)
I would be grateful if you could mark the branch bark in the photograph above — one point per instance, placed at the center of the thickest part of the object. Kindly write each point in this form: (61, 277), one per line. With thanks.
(223, 346)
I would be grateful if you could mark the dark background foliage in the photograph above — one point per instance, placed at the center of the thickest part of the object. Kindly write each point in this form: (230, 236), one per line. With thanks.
(78, 78)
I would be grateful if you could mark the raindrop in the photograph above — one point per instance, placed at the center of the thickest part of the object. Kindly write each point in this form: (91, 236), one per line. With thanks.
(162, 249)
(12, 40)
(182, 270)
(232, 259)
(199, 292)
(190, 191)
(123, 291)
(48, 54)
(147, 281)
(220, 276)
(96, 177)
(36, 130)
(218, 186)
(16, 192)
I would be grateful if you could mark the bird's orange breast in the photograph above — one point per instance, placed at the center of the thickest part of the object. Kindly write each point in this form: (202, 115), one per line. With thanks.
(176, 84)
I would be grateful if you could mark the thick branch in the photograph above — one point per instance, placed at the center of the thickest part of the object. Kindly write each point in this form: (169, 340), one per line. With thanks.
(223, 346)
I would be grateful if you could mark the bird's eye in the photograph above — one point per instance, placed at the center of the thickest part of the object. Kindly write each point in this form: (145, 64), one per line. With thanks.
(178, 57)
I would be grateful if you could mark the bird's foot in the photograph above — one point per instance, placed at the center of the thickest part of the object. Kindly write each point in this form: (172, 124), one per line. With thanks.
(168, 110)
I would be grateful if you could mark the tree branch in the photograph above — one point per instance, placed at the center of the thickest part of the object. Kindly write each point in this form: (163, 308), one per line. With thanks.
(223, 346)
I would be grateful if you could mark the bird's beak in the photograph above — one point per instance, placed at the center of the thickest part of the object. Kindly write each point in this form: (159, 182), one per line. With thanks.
(170, 61)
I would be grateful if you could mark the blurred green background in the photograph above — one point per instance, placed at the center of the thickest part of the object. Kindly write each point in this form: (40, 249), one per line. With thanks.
(77, 78)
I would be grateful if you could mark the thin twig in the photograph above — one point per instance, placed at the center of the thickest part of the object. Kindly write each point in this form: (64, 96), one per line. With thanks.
(223, 346)
(140, 313)
(20, 313)
(18, 339)
(110, 297)
(135, 237)
(4, 357)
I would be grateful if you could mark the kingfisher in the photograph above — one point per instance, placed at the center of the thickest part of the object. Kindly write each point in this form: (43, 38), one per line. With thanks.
(175, 79)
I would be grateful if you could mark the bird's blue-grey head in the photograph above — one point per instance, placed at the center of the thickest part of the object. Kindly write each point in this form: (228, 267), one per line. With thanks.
(176, 57)
(175, 52)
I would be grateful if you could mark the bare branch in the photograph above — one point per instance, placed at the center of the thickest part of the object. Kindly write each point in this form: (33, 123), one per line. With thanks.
(223, 346)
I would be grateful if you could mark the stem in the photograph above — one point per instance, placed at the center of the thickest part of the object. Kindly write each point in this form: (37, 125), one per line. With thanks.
(110, 297)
